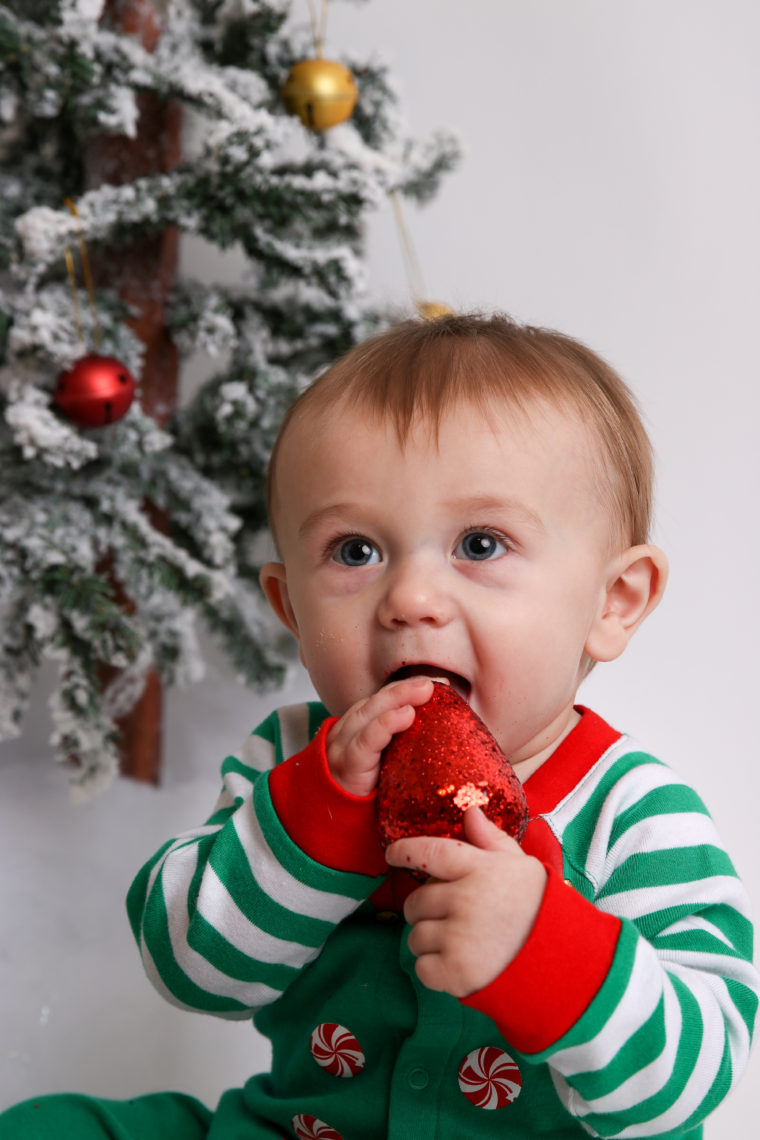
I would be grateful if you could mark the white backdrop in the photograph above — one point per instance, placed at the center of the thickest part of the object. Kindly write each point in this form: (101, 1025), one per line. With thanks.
(610, 189)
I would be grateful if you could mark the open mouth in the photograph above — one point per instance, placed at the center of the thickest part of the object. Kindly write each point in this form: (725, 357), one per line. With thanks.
(459, 684)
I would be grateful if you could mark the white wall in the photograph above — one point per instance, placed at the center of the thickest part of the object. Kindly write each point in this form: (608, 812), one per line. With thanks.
(610, 189)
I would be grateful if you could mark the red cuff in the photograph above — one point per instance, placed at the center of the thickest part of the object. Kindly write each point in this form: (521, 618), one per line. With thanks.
(332, 826)
(557, 974)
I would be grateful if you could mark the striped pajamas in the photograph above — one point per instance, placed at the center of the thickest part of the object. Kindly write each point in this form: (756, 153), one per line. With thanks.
(627, 1013)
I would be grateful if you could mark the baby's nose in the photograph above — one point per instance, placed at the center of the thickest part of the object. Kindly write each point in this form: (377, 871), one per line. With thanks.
(415, 596)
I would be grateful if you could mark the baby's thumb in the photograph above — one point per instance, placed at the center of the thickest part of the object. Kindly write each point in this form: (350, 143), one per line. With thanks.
(481, 832)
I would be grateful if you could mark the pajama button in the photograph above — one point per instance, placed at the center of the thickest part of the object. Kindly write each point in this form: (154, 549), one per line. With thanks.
(489, 1078)
(311, 1128)
(418, 1079)
(336, 1049)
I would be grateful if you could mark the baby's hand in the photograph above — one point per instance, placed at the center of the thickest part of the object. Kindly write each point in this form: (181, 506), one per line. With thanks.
(473, 918)
(356, 741)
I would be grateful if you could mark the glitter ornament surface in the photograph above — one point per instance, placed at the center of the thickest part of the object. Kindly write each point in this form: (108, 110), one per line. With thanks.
(444, 763)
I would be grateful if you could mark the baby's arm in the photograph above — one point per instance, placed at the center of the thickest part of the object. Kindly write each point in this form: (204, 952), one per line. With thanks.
(229, 914)
(642, 1002)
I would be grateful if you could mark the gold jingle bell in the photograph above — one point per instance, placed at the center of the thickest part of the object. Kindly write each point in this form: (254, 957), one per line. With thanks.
(321, 92)
(433, 310)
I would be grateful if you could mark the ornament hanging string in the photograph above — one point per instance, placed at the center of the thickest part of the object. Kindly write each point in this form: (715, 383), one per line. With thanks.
(428, 310)
(74, 299)
(411, 262)
(96, 390)
(318, 27)
(87, 273)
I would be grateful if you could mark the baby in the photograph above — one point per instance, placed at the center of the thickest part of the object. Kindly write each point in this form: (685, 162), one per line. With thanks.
(468, 500)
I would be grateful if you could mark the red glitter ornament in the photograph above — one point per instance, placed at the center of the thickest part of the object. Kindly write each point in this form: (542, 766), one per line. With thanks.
(445, 762)
(95, 391)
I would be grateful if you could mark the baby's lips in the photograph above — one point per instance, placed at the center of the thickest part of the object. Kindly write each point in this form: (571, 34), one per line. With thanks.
(413, 677)
(439, 674)
(423, 672)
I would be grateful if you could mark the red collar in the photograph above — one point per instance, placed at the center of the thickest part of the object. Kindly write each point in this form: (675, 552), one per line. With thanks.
(569, 762)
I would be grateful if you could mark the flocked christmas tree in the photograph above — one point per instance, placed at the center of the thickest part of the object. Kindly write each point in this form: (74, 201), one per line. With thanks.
(117, 539)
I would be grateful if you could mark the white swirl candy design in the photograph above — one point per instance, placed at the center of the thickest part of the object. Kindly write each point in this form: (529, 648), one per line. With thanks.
(489, 1078)
(310, 1128)
(336, 1049)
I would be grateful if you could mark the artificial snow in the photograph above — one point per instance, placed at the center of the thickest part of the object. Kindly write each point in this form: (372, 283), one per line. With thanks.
(40, 432)
(292, 204)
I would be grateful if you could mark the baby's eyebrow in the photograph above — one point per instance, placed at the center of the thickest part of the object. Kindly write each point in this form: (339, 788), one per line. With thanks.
(324, 514)
(473, 505)
(469, 506)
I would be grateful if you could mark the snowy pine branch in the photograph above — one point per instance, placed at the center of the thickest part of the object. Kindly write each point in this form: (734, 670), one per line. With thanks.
(115, 542)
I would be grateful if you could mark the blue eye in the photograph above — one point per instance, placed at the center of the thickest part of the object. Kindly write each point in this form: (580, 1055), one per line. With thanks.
(479, 546)
(356, 552)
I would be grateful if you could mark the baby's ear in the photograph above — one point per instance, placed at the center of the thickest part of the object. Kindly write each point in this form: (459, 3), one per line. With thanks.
(274, 582)
(635, 584)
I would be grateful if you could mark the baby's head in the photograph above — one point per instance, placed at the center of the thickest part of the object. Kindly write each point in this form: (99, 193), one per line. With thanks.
(466, 498)
(418, 371)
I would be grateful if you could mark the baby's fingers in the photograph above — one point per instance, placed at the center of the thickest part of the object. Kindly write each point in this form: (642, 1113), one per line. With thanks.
(383, 707)
(355, 742)
(370, 738)
(442, 859)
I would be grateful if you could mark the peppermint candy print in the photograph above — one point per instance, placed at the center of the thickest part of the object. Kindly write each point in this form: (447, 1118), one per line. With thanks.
(336, 1049)
(489, 1078)
(310, 1128)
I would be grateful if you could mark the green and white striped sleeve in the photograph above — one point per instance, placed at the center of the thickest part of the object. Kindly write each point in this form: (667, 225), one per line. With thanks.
(229, 914)
(667, 1028)
(670, 1031)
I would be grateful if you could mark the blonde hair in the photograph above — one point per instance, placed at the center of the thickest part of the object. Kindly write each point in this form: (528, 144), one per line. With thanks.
(420, 370)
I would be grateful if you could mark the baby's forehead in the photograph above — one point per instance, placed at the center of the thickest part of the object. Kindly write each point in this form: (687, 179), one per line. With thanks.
(532, 476)
(418, 428)
(332, 451)
(313, 459)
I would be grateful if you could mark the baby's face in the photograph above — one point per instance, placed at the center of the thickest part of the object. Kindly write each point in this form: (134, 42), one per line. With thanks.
(482, 558)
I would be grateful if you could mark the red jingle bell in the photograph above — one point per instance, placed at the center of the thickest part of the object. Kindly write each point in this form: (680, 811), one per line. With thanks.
(96, 391)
